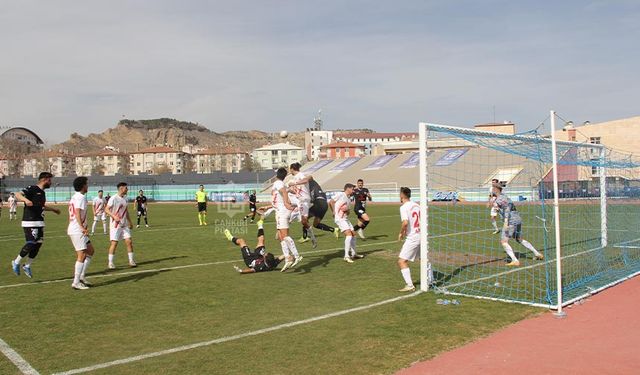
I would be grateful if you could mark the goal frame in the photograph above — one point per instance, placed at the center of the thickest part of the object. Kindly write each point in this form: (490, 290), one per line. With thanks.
(425, 264)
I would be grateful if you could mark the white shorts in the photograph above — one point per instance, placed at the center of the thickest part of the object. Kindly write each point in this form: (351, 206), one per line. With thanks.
(12, 210)
(494, 211)
(343, 224)
(303, 206)
(79, 241)
(282, 219)
(100, 217)
(118, 234)
(410, 249)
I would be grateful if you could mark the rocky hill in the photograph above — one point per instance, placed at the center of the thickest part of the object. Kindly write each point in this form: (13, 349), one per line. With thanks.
(131, 135)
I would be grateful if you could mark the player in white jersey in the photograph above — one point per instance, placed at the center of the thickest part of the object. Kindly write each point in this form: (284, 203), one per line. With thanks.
(410, 231)
(120, 224)
(284, 208)
(78, 232)
(13, 207)
(299, 185)
(99, 204)
(492, 205)
(339, 204)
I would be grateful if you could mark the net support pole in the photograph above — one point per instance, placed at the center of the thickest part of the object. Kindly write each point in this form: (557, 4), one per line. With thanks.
(425, 265)
(602, 172)
(556, 214)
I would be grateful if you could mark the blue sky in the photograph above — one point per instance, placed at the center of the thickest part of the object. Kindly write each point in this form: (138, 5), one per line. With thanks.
(69, 66)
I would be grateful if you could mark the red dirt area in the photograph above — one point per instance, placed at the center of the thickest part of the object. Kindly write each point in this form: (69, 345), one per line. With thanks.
(601, 336)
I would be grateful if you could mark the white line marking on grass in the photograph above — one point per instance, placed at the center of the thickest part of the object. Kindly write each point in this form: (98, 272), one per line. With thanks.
(215, 263)
(235, 337)
(17, 359)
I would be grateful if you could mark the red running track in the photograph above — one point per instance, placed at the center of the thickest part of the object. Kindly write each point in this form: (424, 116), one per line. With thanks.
(601, 336)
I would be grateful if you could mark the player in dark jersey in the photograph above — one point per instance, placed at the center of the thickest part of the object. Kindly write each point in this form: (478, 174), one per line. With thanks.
(141, 206)
(319, 208)
(252, 207)
(360, 196)
(34, 200)
(258, 260)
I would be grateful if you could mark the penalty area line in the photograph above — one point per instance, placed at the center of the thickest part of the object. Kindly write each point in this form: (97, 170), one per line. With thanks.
(235, 337)
(16, 359)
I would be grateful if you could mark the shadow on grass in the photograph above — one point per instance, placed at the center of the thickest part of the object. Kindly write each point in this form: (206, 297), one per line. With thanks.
(134, 278)
(151, 261)
(376, 237)
(323, 261)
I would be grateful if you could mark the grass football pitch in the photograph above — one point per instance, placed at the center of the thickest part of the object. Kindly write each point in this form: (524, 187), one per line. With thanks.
(186, 306)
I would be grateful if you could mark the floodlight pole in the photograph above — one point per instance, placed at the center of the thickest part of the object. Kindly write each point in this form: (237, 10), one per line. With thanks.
(425, 265)
(556, 215)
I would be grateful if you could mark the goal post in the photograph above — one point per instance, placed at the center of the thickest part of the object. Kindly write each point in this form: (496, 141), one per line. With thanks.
(575, 233)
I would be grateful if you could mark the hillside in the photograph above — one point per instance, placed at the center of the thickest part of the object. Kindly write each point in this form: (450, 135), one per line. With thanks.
(130, 135)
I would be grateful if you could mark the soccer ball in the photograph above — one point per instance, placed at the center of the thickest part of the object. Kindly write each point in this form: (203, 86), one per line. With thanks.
(284, 134)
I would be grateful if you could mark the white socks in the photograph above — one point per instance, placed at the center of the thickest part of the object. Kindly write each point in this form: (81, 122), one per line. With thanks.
(130, 257)
(509, 251)
(93, 227)
(78, 272)
(347, 246)
(28, 262)
(529, 246)
(353, 246)
(285, 248)
(87, 260)
(292, 246)
(495, 225)
(406, 275)
(311, 234)
(18, 259)
(111, 257)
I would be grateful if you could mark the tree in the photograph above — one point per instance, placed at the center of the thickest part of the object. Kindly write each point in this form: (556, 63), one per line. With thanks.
(162, 168)
(189, 166)
(251, 165)
(98, 169)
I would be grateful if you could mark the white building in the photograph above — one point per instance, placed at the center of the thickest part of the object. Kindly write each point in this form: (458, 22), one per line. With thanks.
(369, 140)
(278, 155)
(314, 140)
(103, 163)
(57, 163)
(156, 160)
(229, 161)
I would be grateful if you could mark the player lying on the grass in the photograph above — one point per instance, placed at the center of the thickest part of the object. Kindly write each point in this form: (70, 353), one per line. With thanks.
(339, 204)
(35, 204)
(252, 207)
(258, 260)
(492, 205)
(319, 208)
(299, 185)
(410, 231)
(360, 196)
(79, 233)
(512, 227)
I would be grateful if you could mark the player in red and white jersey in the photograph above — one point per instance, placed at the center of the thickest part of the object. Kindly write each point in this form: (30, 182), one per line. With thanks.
(410, 231)
(120, 224)
(299, 185)
(99, 204)
(339, 204)
(78, 232)
(280, 200)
